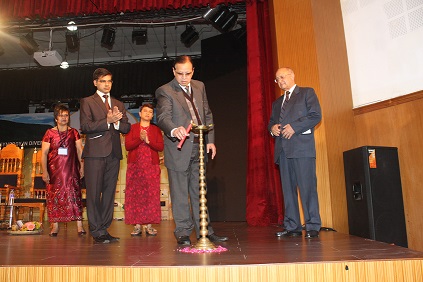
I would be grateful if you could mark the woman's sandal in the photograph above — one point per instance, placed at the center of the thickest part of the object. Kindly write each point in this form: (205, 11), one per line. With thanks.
(149, 231)
(54, 229)
(80, 229)
(137, 232)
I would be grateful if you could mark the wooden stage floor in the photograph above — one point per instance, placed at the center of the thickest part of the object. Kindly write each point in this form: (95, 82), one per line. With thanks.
(254, 254)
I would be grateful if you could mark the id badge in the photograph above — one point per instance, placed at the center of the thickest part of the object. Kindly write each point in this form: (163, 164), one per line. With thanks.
(63, 151)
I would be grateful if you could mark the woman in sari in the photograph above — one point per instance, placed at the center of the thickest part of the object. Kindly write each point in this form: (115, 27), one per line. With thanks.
(62, 172)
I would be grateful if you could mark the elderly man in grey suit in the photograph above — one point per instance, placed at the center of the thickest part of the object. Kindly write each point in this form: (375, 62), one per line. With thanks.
(294, 116)
(103, 118)
(178, 102)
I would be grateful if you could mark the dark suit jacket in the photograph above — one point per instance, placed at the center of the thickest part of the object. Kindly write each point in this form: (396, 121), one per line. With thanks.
(303, 113)
(100, 140)
(172, 112)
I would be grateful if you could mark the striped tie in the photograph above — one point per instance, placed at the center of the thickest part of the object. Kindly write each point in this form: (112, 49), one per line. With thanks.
(195, 115)
(106, 102)
(287, 93)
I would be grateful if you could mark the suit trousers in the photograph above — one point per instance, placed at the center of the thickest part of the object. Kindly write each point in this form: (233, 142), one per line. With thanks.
(301, 173)
(185, 195)
(100, 179)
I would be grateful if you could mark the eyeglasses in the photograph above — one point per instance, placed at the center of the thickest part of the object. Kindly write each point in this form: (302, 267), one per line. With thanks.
(105, 81)
(282, 77)
(183, 74)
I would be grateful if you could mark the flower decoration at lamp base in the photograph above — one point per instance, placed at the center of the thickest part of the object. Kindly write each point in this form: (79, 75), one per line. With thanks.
(191, 250)
(27, 228)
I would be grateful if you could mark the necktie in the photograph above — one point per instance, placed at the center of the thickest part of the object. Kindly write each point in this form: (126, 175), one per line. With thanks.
(194, 108)
(287, 93)
(106, 102)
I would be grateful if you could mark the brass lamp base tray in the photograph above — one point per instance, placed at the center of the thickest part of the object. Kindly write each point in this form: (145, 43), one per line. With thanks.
(204, 244)
(34, 232)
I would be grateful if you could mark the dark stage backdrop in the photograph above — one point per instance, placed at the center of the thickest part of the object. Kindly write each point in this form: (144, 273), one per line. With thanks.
(224, 71)
(18, 86)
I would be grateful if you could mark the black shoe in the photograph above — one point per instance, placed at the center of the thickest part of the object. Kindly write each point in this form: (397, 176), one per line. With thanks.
(214, 238)
(102, 239)
(183, 240)
(53, 234)
(112, 238)
(289, 234)
(312, 234)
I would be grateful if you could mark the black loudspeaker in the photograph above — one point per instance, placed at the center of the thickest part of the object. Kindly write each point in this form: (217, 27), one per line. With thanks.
(374, 194)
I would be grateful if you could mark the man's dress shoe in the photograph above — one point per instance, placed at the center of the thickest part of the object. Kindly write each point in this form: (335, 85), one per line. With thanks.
(183, 240)
(112, 238)
(312, 234)
(287, 233)
(214, 238)
(102, 239)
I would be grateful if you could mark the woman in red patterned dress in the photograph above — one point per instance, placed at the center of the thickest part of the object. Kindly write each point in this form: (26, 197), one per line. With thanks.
(62, 172)
(142, 193)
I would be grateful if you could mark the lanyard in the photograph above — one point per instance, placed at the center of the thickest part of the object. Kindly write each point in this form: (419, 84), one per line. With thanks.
(63, 140)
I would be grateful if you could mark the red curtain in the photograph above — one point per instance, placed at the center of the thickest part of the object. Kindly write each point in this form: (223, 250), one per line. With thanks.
(58, 8)
(264, 194)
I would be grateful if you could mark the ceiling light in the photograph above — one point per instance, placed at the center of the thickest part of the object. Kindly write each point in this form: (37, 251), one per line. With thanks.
(139, 36)
(108, 37)
(64, 65)
(221, 18)
(28, 44)
(189, 36)
(165, 56)
(72, 26)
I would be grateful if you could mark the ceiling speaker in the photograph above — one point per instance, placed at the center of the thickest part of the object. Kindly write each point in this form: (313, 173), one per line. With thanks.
(28, 44)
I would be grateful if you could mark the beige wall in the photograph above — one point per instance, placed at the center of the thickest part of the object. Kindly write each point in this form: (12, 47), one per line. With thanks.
(312, 43)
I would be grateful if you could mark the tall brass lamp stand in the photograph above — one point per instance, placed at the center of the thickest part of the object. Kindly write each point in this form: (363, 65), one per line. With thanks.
(203, 243)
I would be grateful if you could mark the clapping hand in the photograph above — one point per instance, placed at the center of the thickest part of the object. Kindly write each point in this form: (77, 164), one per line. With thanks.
(114, 116)
(144, 136)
